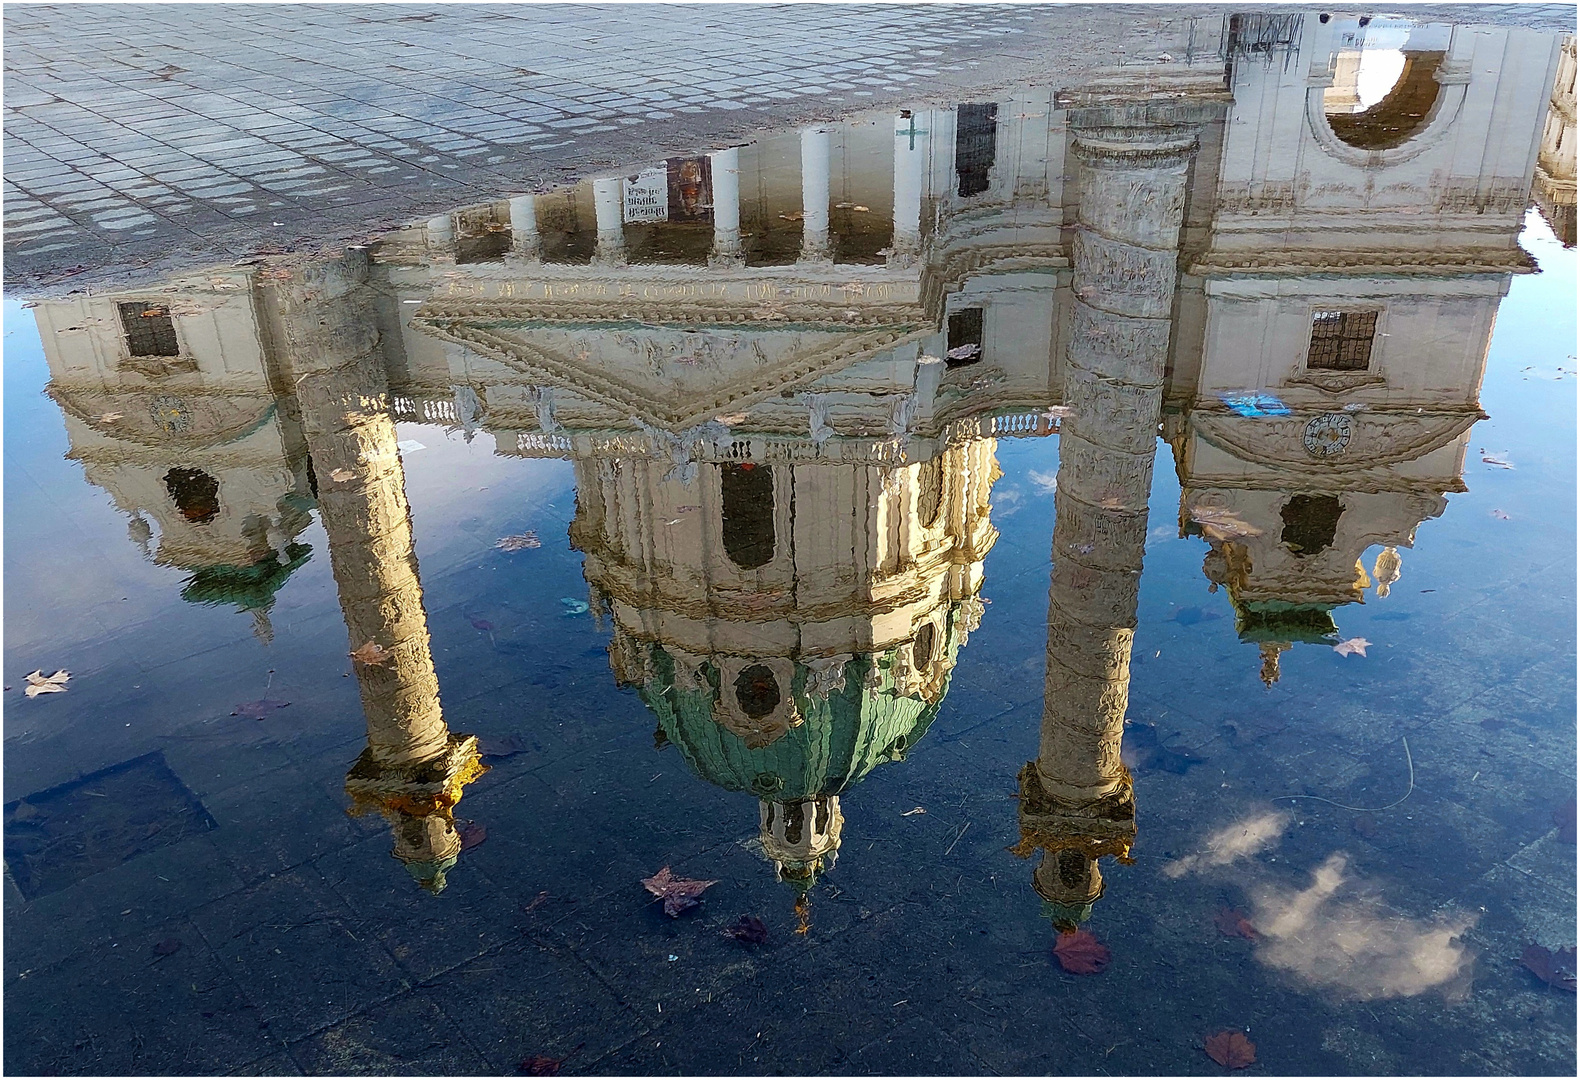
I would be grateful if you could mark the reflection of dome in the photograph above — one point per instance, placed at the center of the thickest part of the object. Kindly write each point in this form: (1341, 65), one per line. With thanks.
(251, 587)
(841, 737)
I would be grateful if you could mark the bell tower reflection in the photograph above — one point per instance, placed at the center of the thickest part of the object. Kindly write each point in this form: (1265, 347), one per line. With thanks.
(413, 769)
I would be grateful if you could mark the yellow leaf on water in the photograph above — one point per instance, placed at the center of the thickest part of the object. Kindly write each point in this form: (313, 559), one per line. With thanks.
(340, 476)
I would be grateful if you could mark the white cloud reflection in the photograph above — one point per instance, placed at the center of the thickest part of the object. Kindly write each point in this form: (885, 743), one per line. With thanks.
(1245, 837)
(1336, 934)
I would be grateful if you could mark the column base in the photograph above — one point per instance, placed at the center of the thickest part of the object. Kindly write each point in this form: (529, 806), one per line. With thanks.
(420, 788)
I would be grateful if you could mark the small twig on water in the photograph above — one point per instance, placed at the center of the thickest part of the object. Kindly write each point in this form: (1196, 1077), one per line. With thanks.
(1367, 809)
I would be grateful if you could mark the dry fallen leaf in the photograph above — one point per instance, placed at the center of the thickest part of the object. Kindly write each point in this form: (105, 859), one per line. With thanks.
(1494, 459)
(38, 683)
(1355, 645)
(1233, 924)
(678, 894)
(1556, 969)
(1080, 953)
(471, 834)
(1500, 515)
(258, 710)
(1220, 524)
(748, 929)
(538, 1065)
(521, 542)
(109, 417)
(168, 947)
(1231, 1049)
(340, 476)
(963, 352)
(371, 653)
(860, 209)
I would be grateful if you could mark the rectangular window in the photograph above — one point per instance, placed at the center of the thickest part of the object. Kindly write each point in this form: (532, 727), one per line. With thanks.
(965, 337)
(149, 330)
(1341, 340)
(976, 143)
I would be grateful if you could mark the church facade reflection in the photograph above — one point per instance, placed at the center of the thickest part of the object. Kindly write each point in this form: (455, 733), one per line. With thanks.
(780, 371)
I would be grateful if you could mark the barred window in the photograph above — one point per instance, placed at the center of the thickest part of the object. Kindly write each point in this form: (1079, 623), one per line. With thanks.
(149, 330)
(1341, 340)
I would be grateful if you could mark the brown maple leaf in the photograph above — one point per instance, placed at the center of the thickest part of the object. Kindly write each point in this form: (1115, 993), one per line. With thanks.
(1231, 1049)
(1556, 969)
(1232, 923)
(1564, 818)
(258, 710)
(748, 929)
(1080, 953)
(371, 653)
(471, 834)
(678, 894)
(542, 1065)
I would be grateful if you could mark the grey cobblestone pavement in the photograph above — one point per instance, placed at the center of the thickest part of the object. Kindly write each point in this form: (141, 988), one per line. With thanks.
(141, 139)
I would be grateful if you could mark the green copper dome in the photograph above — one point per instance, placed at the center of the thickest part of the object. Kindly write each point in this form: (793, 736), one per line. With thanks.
(841, 739)
(1277, 620)
(250, 588)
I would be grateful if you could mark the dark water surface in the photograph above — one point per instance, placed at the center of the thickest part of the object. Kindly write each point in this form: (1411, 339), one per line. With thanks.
(559, 541)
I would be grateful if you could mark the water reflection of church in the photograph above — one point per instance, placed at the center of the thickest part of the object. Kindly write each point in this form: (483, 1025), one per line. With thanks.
(780, 371)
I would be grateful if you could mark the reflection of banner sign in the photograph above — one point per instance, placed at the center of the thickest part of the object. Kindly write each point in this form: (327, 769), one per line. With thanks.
(647, 196)
(690, 189)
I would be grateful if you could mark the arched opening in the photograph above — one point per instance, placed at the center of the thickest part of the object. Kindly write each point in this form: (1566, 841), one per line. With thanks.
(926, 638)
(1380, 98)
(930, 490)
(1310, 523)
(795, 819)
(748, 525)
(195, 493)
(757, 691)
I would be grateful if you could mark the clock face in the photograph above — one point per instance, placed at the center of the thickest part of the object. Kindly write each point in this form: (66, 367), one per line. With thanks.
(1327, 435)
(171, 414)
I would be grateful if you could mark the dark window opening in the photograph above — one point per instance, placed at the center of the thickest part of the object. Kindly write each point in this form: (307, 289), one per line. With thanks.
(1341, 340)
(195, 493)
(757, 691)
(795, 819)
(821, 816)
(930, 490)
(976, 139)
(922, 650)
(1074, 870)
(149, 330)
(965, 337)
(748, 495)
(1310, 523)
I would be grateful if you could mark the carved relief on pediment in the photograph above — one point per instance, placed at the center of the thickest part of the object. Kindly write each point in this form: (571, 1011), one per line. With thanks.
(1332, 441)
(671, 377)
(185, 421)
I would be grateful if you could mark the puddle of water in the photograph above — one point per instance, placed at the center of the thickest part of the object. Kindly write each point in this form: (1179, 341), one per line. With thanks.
(700, 518)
